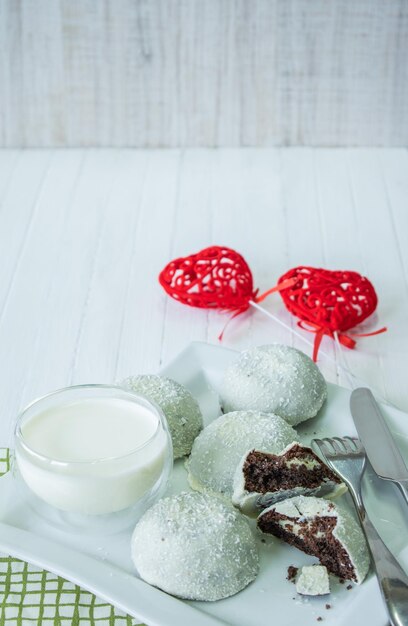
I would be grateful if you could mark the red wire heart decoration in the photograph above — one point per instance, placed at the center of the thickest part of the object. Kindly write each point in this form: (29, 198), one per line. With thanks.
(216, 277)
(329, 302)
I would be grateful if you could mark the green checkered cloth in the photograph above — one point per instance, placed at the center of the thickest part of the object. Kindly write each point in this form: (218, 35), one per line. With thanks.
(29, 595)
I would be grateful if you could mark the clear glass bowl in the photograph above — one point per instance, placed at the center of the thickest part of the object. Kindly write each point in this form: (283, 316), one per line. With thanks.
(107, 493)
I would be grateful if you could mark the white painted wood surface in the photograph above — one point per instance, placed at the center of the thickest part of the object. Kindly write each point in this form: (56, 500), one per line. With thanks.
(172, 73)
(84, 234)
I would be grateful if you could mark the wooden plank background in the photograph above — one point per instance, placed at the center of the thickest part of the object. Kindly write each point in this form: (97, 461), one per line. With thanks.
(84, 234)
(173, 73)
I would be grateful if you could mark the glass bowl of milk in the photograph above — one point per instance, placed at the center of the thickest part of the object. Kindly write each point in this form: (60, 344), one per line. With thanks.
(92, 456)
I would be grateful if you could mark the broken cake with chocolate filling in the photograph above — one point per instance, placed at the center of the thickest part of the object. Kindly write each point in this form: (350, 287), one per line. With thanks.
(261, 478)
(322, 529)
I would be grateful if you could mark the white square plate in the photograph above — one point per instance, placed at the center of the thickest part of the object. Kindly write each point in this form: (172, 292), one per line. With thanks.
(102, 564)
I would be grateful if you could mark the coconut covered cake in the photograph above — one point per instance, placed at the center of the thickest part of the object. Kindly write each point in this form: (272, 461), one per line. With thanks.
(319, 528)
(262, 478)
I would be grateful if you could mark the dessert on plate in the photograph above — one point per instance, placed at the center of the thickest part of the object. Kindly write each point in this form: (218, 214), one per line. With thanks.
(274, 379)
(262, 478)
(320, 528)
(195, 546)
(220, 446)
(178, 405)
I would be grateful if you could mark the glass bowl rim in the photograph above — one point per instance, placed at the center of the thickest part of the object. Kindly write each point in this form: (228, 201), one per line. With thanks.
(162, 421)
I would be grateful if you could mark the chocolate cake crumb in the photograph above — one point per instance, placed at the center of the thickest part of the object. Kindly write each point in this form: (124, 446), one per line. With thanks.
(319, 619)
(292, 573)
(341, 581)
(265, 472)
(263, 540)
(328, 606)
(315, 537)
(349, 587)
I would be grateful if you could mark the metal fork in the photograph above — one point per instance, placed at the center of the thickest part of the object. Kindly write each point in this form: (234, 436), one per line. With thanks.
(346, 457)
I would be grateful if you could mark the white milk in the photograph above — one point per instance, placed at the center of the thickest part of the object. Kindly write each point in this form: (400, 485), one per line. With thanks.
(92, 456)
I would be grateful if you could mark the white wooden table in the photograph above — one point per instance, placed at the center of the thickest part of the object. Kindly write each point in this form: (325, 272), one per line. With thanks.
(84, 234)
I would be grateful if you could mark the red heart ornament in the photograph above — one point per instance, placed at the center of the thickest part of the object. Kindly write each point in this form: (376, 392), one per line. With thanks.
(329, 301)
(216, 277)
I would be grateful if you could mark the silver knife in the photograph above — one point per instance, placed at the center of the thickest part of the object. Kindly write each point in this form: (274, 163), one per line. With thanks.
(381, 449)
